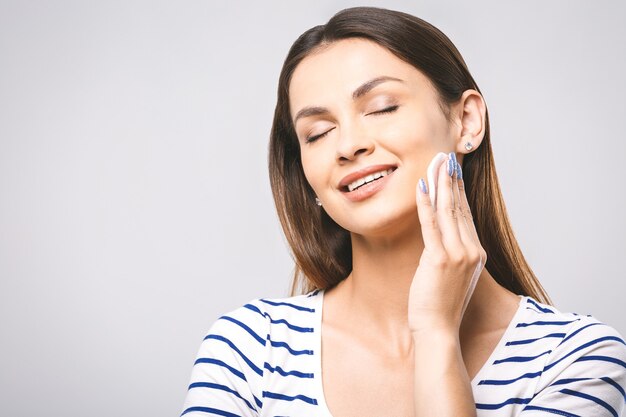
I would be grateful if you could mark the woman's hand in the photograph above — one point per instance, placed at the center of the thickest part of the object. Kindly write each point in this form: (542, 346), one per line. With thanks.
(452, 258)
(441, 289)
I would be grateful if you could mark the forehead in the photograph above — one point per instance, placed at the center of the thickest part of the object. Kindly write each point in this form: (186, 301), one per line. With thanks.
(340, 67)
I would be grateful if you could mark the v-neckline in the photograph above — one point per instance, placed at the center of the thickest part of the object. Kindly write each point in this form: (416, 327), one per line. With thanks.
(318, 381)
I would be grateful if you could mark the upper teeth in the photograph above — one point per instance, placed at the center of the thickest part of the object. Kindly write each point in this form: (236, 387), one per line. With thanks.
(369, 178)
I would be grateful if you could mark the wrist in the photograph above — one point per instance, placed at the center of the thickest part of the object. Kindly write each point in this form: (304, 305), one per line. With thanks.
(433, 326)
(435, 334)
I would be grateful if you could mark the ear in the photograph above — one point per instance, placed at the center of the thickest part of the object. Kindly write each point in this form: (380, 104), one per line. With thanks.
(471, 115)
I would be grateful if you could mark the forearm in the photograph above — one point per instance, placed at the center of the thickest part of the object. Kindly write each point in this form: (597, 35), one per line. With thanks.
(442, 385)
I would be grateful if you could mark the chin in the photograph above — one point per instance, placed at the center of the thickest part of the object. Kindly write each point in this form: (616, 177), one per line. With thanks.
(384, 222)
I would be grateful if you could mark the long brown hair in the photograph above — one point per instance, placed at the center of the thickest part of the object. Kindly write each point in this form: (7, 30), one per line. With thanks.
(321, 248)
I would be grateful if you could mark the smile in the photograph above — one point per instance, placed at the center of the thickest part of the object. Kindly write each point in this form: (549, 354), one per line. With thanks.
(365, 182)
(369, 178)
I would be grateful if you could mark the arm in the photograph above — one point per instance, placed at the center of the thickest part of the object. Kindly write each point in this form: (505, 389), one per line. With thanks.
(442, 386)
(442, 286)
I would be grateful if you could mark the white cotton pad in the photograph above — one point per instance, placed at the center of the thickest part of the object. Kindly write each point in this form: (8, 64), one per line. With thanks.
(432, 175)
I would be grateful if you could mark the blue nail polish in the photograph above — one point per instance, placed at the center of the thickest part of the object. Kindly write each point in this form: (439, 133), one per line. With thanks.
(422, 185)
(459, 171)
(452, 156)
(451, 167)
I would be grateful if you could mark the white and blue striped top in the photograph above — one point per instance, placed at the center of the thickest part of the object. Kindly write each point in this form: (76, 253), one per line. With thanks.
(262, 359)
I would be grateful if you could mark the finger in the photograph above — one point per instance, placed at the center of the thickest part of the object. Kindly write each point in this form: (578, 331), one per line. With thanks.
(467, 231)
(428, 220)
(447, 215)
(470, 227)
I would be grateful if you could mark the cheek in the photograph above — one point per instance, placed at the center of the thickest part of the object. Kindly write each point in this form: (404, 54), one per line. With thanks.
(415, 141)
(313, 170)
(408, 137)
(420, 132)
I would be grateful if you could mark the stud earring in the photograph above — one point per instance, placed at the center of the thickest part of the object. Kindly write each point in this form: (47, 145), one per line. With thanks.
(469, 146)
(318, 201)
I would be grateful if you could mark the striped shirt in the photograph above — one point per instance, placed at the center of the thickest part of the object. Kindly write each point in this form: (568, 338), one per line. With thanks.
(263, 359)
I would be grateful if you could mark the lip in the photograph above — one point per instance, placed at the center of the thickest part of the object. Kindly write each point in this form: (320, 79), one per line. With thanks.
(350, 178)
(366, 190)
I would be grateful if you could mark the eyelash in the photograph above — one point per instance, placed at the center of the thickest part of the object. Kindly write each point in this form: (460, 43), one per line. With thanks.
(389, 109)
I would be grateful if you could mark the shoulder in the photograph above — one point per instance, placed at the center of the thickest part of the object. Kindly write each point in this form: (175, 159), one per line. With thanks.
(553, 340)
(584, 339)
(568, 334)
(572, 334)
(305, 303)
(237, 350)
(583, 361)
(585, 356)
(263, 327)
(250, 326)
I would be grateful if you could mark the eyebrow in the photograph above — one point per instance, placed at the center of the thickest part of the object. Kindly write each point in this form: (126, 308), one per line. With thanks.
(360, 91)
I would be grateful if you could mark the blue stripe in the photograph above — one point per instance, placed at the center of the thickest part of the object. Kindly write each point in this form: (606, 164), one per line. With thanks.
(292, 351)
(543, 310)
(255, 309)
(236, 349)
(580, 330)
(508, 381)
(246, 328)
(210, 410)
(223, 388)
(615, 384)
(521, 358)
(545, 323)
(550, 410)
(591, 398)
(604, 378)
(569, 381)
(220, 363)
(281, 321)
(527, 341)
(507, 402)
(592, 342)
(291, 326)
(276, 396)
(300, 308)
(282, 372)
(601, 358)
(314, 293)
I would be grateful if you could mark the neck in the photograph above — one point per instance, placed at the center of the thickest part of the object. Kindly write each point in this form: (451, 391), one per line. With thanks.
(377, 289)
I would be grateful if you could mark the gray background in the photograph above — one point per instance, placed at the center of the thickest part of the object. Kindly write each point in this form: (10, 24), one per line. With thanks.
(135, 206)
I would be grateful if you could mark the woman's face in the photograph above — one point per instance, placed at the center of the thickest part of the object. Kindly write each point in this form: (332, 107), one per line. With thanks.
(392, 126)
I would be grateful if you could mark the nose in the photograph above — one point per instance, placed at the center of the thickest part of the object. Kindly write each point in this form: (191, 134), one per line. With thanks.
(353, 142)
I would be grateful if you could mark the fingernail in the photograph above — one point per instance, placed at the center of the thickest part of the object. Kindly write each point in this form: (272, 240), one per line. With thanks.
(459, 171)
(452, 156)
(451, 167)
(422, 185)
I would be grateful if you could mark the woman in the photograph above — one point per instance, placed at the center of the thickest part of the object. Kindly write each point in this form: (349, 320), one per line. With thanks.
(415, 297)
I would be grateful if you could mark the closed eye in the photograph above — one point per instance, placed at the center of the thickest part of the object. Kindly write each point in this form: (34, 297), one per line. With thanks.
(389, 109)
(316, 137)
